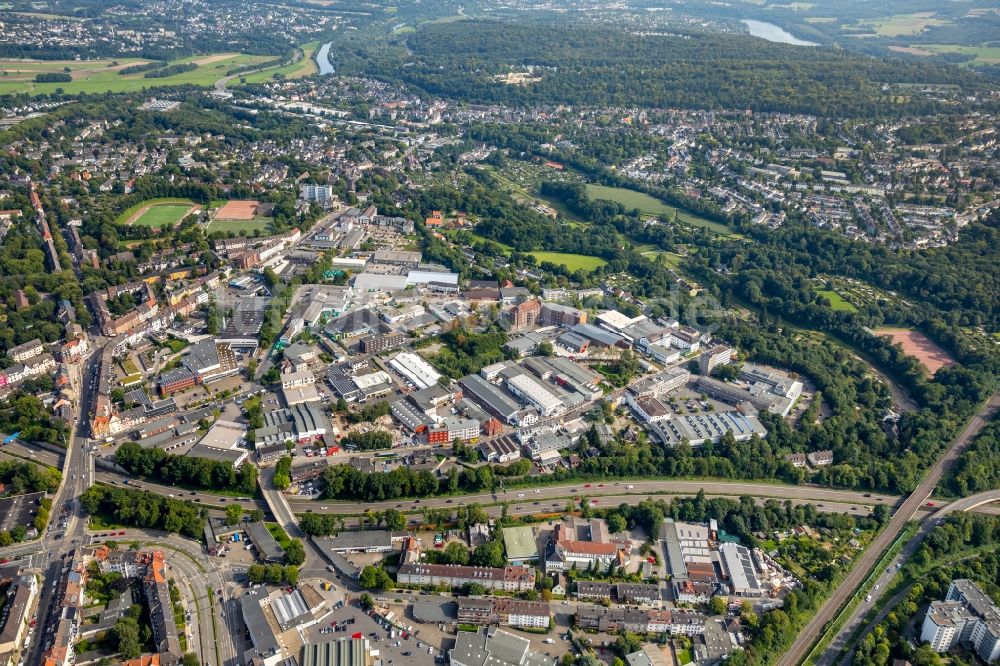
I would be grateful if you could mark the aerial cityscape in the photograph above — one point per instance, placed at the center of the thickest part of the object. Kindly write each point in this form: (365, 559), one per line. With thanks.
(499, 333)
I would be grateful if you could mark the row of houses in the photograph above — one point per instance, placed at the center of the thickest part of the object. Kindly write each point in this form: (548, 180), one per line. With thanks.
(639, 621)
(505, 579)
(503, 611)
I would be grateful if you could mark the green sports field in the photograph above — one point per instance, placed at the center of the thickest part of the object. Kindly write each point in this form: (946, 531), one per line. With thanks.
(837, 302)
(156, 213)
(572, 261)
(240, 227)
(163, 216)
(99, 76)
(649, 205)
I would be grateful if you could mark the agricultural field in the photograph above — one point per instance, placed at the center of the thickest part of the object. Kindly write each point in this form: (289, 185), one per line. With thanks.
(99, 76)
(296, 70)
(651, 206)
(919, 346)
(984, 55)
(901, 24)
(572, 261)
(837, 302)
(157, 213)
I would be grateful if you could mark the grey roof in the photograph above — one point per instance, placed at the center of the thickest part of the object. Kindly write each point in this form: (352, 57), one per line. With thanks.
(519, 542)
(267, 546)
(495, 648)
(290, 610)
(339, 652)
(597, 334)
(435, 612)
(489, 396)
(201, 355)
(407, 414)
(571, 339)
(358, 321)
(231, 456)
(161, 618)
(265, 643)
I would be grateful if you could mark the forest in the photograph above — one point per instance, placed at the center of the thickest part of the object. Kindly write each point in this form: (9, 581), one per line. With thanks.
(578, 64)
(978, 468)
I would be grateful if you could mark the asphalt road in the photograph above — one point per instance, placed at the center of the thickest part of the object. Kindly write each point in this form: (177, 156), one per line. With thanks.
(640, 489)
(800, 649)
(842, 647)
(198, 577)
(57, 541)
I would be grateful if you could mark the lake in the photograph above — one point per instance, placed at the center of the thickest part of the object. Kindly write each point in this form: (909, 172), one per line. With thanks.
(773, 33)
(323, 59)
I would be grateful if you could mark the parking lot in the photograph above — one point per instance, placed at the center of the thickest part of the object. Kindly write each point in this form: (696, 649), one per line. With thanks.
(410, 650)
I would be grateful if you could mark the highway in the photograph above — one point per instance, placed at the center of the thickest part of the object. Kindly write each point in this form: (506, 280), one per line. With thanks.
(638, 489)
(843, 641)
(856, 577)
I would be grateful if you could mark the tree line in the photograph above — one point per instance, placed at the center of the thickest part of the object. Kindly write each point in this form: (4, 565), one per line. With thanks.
(143, 509)
(172, 469)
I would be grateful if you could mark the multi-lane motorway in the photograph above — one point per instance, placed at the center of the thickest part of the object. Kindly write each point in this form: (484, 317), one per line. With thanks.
(856, 577)
(642, 489)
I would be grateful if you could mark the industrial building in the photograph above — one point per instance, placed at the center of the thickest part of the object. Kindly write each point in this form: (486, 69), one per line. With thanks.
(415, 369)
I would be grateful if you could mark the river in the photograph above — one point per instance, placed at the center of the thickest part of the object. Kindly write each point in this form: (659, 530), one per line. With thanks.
(323, 59)
(773, 33)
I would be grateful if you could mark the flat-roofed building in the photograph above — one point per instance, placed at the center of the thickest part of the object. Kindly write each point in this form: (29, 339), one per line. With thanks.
(490, 397)
(507, 579)
(555, 314)
(363, 541)
(535, 394)
(397, 257)
(265, 647)
(968, 617)
(495, 647)
(712, 358)
(520, 545)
